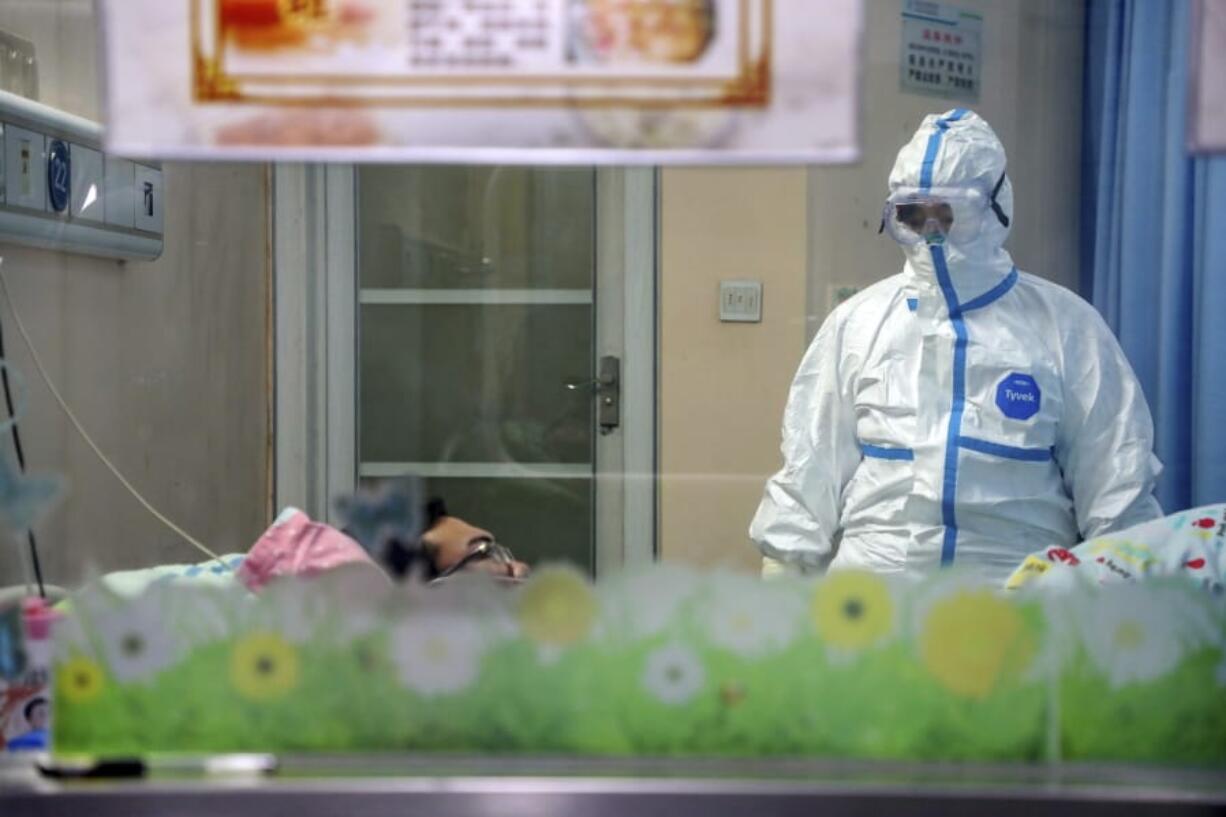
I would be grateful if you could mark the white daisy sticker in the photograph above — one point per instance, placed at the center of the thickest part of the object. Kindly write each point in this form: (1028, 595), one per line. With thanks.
(437, 654)
(751, 618)
(205, 614)
(646, 603)
(135, 643)
(292, 606)
(354, 595)
(674, 674)
(1135, 634)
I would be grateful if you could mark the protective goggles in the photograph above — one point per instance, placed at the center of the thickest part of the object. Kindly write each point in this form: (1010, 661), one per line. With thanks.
(936, 215)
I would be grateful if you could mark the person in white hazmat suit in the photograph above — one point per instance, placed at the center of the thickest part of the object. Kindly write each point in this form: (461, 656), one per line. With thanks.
(960, 412)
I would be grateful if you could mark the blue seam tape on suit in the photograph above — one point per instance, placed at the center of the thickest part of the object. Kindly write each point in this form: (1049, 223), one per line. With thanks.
(949, 487)
(992, 294)
(882, 453)
(1011, 452)
(934, 146)
(949, 490)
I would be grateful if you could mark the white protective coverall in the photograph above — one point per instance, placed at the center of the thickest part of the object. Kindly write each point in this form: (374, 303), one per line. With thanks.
(960, 412)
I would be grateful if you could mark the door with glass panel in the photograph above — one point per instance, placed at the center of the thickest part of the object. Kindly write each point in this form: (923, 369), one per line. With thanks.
(504, 347)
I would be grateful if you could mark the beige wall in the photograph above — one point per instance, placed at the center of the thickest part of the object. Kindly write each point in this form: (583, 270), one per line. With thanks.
(165, 363)
(723, 386)
(721, 383)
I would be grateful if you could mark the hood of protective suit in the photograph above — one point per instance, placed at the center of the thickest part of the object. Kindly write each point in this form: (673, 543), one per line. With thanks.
(958, 149)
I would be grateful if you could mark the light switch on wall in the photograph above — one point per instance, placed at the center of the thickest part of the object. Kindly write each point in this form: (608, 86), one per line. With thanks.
(740, 301)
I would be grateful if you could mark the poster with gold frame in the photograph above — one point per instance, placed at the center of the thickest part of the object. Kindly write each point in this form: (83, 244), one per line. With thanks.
(540, 81)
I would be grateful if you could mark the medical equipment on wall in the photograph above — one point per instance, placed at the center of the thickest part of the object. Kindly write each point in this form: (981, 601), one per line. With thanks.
(61, 192)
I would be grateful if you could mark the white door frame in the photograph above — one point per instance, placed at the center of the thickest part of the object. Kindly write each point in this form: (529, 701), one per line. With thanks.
(626, 328)
(316, 298)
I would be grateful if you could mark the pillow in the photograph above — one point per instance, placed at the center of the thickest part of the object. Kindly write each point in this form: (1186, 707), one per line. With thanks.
(296, 545)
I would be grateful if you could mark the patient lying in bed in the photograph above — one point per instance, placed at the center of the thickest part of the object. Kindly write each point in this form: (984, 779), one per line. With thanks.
(296, 545)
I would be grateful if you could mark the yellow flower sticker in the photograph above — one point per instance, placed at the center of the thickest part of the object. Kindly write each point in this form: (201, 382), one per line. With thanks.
(557, 607)
(263, 666)
(852, 610)
(972, 639)
(79, 680)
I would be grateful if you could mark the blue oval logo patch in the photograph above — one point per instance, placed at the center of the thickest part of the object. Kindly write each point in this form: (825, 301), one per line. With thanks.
(1018, 396)
(59, 175)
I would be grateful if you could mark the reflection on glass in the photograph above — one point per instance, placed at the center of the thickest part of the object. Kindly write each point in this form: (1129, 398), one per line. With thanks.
(476, 227)
(477, 310)
(444, 383)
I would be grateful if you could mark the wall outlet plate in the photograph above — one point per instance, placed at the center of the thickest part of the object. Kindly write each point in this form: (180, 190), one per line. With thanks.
(740, 301)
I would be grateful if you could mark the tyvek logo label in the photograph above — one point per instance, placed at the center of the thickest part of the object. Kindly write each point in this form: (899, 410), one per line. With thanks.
(1018, 396)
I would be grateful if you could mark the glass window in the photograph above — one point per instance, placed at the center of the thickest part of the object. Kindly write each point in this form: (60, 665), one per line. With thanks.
(477, 348)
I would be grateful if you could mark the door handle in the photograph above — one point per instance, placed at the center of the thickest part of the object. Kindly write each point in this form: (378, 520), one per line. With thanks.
(607, 389)
(596, 386)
